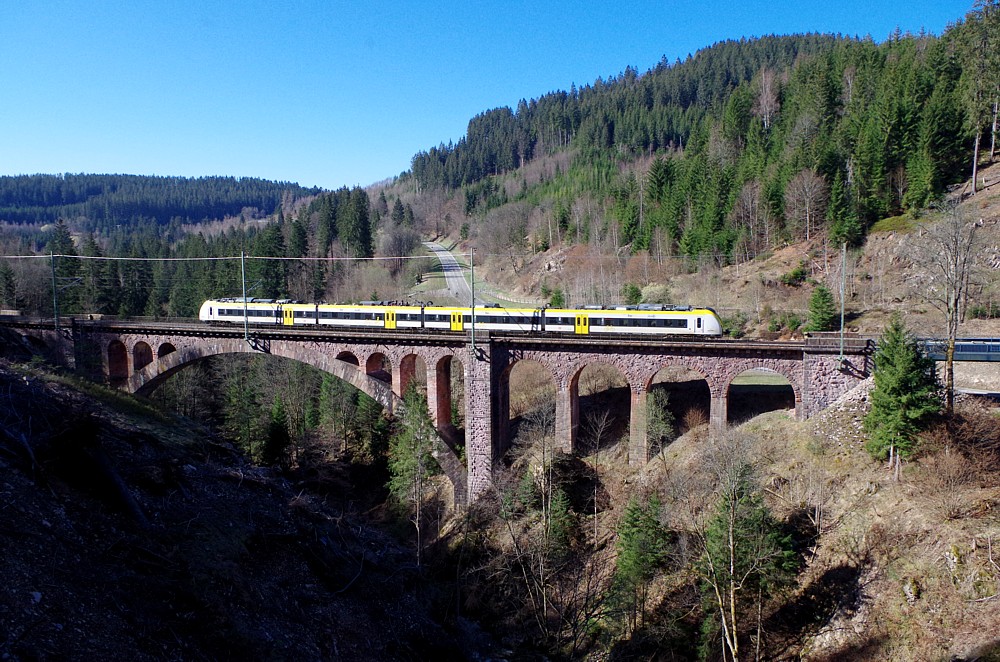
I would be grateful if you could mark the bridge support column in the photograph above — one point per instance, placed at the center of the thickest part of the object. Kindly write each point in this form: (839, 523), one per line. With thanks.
(402, 375)
(638, 442)
(719, 415)
(480, 443)
(439, 393)
(567, 418)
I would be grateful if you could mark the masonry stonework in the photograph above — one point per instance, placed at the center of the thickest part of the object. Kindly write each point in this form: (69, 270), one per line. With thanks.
(138, 358)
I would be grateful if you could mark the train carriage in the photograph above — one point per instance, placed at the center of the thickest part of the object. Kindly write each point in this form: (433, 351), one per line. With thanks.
(646, 320)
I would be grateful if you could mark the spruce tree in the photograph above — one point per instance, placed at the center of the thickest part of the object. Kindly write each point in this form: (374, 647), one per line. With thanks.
(410, 459)
(642, 549)
(65, 270)
(8, 287)
(274, 450)
(747, 557)
(904, 397)
(822, 310)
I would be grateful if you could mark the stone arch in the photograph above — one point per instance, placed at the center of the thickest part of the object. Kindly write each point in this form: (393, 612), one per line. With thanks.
(118, 372)
(411, 367)
(164, 349)
(598, 410)
(142, 355)
(379, 366)
(348, 357)
(446, 376)
(688, 390)
(756, 391)
(529, 378)
(146, 380)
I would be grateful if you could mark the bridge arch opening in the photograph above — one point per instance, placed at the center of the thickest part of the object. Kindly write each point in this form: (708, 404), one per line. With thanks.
(348, 357)
(600, 400)
(117, 363)
(757, 391)
(413, 370)
(379, 366)
(142, 355)
(189, 391)
(164, 349)
(526, 405)
(446, 400)
(678, 400)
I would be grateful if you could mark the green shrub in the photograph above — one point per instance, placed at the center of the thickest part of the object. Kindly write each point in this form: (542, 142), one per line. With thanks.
(796, 276)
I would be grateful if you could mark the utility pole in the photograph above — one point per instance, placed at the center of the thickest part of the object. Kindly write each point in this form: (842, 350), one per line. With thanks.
(246, 313)
(843, 280)
(55, 294)
(472, 286)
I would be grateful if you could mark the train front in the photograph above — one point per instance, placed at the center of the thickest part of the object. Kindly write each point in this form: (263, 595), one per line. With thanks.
(208, 311)
(712, 325)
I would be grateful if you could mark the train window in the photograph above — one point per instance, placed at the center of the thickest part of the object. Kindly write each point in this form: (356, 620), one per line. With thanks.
(699, 322)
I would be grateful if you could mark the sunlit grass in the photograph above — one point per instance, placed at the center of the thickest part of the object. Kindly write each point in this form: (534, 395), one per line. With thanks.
(760, 378)
(904, 223)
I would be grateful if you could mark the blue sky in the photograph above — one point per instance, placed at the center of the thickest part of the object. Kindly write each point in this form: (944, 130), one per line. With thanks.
(338, 93)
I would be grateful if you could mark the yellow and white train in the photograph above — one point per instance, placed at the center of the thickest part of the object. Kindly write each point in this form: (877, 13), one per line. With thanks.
(644, 319)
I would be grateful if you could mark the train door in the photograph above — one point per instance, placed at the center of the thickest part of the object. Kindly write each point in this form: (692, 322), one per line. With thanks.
(288, 316)
(582, 325)
(456, 321)
(390, 319)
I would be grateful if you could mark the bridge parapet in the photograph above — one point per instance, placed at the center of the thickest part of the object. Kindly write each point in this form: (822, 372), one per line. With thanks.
(849, 343)
(819, 369)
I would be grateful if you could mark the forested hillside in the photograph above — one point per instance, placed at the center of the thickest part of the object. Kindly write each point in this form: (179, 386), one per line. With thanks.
(102, 202)
(743, 146)
(168, 270)
(724, 157)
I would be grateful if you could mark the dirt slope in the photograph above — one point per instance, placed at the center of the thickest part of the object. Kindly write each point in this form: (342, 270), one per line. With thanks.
(133, 536)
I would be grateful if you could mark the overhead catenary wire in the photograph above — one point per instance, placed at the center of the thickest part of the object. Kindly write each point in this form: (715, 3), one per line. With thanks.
(227, 257)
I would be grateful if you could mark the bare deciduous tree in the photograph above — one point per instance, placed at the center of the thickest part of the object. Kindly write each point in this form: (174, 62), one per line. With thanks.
(397, 241)
(745, 555)
(949, 250)
(507, 233)
(805, 200)
(766, 104)
(754, 219)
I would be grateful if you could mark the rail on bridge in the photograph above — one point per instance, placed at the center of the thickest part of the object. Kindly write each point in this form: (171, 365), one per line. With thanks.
(966, 349)
(818, 369)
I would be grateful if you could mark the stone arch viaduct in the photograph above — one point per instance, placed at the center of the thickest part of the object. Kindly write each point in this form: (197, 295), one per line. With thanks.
(138, 356)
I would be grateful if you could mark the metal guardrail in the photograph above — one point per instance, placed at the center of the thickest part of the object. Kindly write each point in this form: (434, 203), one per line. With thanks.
(966, 349)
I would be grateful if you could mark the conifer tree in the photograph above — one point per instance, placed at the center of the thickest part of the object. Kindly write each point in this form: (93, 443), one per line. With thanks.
(822, 310)
(242, 420)
(65, 269)
(410, 459)
(8, 287)
(746, 558)
(274, 450)
(904, 397)
(642, 549)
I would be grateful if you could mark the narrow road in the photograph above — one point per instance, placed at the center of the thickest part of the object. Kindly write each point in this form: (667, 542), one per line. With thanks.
(454, 273)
